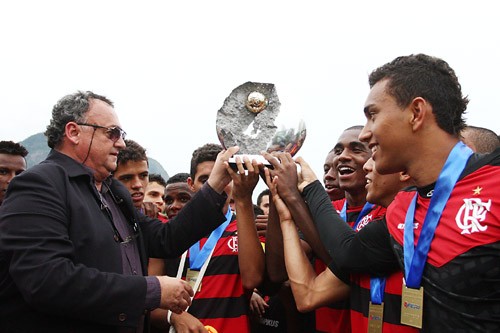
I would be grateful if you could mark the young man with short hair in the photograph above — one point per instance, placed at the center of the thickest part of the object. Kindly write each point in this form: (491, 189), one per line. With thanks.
(223, 298)
(350, 157)
(444, 234)
(12, 163)
(155, 190)
(331, 177)
(177, 194)
(263, 201)
(133, 171)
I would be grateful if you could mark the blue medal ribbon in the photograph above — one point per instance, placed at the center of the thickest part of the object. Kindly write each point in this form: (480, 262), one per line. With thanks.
(377, 285)
(366, 208)
(197, 257)
(377, 288)
(416, 257)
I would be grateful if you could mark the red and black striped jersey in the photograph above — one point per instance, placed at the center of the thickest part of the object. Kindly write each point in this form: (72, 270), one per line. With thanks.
(360, 290)
(336, 317)
(221, 301)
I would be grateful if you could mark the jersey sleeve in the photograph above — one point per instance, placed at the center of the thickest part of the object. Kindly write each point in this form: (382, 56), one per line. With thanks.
(367, 251)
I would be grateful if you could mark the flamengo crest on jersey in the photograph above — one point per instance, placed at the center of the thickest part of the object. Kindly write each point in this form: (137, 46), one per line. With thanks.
(471, 214)
(232, 243)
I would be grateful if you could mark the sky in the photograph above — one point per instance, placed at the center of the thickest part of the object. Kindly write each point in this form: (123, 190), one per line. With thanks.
(169, 65)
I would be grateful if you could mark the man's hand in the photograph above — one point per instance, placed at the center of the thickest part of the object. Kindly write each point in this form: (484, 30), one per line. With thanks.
(175, 294)
(150, 209)
(219, 177)
(306, 175)
(244, 181)
(258, 305)
(282, 209)
(187, 323)
(285, 169)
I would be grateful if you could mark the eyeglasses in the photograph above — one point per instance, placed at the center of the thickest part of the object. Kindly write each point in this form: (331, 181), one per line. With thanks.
(114, 133)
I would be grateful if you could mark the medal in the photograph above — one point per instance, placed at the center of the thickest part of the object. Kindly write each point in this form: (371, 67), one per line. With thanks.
(376, 308)
(192, 277)
(375, 317)
(412, 305)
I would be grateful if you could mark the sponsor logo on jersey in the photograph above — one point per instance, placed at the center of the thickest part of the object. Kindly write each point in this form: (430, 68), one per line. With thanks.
(232, 243)
(401, 226)
(269, 322)
(471, 214)
(364, 221)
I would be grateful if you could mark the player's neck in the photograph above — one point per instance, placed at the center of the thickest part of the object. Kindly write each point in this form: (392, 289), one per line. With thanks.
(355, 199)
(425, 168)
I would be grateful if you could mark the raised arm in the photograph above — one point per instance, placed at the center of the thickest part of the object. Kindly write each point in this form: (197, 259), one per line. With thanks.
(201, 215)
(275, 259)
(250, 253)
(310, 290)
(287, 185)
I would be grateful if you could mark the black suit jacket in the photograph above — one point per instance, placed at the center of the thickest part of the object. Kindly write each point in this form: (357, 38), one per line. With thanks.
(60, 266)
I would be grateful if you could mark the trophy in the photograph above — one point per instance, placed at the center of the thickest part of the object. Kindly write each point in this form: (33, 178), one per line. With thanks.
(250, 118)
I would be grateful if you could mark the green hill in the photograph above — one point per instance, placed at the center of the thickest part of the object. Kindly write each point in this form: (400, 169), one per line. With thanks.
(38, 150)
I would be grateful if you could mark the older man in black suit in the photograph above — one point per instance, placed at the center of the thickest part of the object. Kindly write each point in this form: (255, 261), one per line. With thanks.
(73, 249)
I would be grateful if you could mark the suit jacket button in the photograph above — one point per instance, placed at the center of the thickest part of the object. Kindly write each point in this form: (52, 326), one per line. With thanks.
(122, 317)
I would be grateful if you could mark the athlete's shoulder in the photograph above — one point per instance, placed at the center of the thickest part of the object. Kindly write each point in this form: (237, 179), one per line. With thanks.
(404, 195)
(400, 203)
(480, 161)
